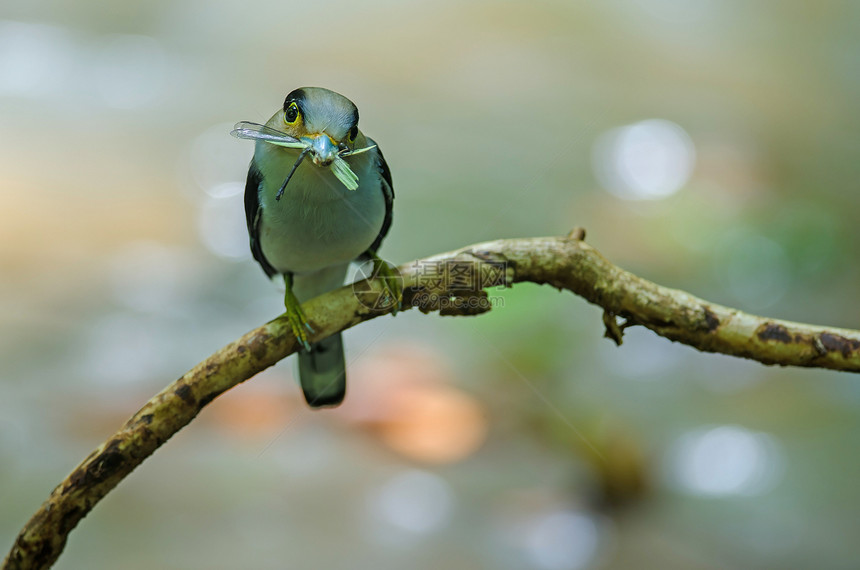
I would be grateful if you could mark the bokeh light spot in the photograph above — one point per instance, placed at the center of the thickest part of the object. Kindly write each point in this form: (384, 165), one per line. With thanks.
(217, 158)
(221, 226)
(564, 540)
(648, 160)
(725, 461)
(34, 58)
(404, 396)
(416, 501)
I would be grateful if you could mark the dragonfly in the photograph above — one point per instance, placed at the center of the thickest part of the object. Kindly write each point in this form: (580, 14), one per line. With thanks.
(340, 168)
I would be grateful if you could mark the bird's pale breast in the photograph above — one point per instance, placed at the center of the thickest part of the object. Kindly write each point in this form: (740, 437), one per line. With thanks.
(317, 223)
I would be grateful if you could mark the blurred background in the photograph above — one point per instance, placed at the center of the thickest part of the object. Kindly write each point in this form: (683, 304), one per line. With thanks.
(711, 146)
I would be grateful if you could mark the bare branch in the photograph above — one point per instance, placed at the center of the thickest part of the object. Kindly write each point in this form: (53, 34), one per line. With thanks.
(563, 262)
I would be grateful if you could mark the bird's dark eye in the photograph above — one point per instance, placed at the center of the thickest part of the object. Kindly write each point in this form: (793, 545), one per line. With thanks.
(291, 114)
(353, 132)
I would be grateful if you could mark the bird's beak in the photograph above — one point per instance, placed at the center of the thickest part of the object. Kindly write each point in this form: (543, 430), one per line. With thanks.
(323, 149)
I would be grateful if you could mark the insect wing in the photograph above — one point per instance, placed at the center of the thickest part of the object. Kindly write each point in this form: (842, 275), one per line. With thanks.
(358, 150)
(256, 131)
(344, 173)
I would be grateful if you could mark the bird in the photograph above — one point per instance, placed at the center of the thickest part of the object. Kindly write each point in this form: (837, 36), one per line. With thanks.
(308, 220)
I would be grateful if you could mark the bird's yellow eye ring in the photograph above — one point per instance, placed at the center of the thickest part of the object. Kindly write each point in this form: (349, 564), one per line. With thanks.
(291, 114)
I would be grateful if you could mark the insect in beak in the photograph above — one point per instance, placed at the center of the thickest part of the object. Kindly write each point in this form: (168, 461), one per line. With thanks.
(324, 151)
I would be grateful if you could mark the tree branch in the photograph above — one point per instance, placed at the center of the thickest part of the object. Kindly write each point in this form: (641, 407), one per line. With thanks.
(452, 283)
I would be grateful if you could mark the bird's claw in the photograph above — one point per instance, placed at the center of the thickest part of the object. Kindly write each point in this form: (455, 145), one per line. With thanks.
(297, 320)
(300, 329)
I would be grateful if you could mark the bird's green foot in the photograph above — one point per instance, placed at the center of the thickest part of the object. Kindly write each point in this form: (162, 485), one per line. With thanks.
(296, 318)
(391, 281)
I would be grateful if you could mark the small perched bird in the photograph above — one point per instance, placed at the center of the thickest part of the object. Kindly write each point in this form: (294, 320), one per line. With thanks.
(308, 219)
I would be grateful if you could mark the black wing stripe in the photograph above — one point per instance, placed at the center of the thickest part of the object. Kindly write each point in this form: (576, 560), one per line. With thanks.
(388, 193)
(252, 217)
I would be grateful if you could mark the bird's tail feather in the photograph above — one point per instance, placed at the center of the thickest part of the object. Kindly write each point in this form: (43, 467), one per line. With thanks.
(322, 372)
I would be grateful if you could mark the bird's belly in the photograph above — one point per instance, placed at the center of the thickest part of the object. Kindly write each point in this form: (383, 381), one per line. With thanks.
(303, 238)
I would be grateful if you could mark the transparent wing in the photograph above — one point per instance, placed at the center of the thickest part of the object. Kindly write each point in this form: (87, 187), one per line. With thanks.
(358, 150)
(344, 173)
(256, 131)
(342, 170)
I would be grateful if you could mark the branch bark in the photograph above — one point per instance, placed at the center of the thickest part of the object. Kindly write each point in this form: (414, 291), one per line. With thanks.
(453, 283)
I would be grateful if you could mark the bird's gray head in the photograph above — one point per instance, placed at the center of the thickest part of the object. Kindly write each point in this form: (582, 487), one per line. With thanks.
(326, 120)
